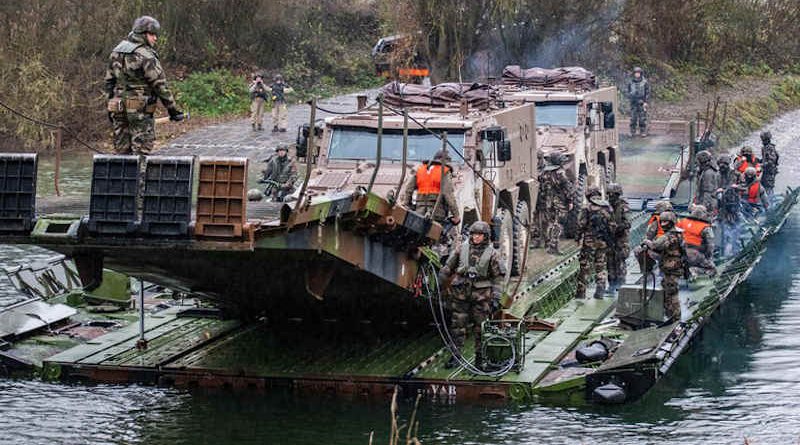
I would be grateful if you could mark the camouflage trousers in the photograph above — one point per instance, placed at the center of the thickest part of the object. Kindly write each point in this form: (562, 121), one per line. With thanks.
(768, 181)
(593, 256)
(257, 111)
(280, 116)
(700, 261)
(638, 118)
(616, 257)
(539, 227)
(709, 201)
(554, 227)
(134, 133)
(672, 303)
(468, 312)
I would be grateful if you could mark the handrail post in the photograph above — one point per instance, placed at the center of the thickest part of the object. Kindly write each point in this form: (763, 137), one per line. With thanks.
(378, 147)
(309, 152)
(405, 157)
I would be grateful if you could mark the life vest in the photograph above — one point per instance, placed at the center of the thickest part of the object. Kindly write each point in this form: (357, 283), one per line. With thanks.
(482, 268)
(429, 179)
(656, 219)
(753, 195)
(746, 163)
(693, 231)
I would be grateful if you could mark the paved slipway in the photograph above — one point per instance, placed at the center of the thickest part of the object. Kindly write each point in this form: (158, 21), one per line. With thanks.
(237, 138)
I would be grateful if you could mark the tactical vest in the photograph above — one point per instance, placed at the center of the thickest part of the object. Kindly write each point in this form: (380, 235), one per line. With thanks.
(128, 80)
(282, 170)
(657, 220)
(278, 94)
(429, 179)
(482, 268)
(637, 89)
(693, 231)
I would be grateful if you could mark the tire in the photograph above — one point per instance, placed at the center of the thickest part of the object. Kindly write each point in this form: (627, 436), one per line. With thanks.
(571, 221)
(506, 243)
(521, 234)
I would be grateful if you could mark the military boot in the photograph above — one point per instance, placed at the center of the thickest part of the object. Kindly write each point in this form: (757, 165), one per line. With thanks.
(260, 127)
(275, 129)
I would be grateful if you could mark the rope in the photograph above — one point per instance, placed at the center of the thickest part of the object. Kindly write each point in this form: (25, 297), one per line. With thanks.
(50, 125)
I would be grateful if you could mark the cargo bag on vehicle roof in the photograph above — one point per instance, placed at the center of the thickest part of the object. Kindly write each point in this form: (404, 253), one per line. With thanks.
(570, 77)
(477, 95)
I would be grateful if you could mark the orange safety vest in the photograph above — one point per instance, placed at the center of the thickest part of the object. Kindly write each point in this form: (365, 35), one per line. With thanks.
(746, 164)
(752, 193)
(656, 219)
(692, 231)
(429, 179)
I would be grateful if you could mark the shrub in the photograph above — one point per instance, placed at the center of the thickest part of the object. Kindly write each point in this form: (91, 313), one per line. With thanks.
(214, 93)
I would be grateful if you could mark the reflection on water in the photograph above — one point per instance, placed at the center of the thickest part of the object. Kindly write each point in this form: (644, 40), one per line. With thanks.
(739, 380)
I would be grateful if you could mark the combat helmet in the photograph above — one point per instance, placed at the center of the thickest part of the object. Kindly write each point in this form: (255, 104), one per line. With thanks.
(746, 151)
(704, 156)
(724, 159)
(750, 172)
(637, 69)
(766, 137)
(255, 195)
(282, 147)
(663, 206)
(442, 156)
(700, 212)
(668, 220)
(146, 24)
(480, 227)
(614, 189)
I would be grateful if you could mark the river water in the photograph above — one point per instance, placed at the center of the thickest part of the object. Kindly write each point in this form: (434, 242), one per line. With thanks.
(740, 380)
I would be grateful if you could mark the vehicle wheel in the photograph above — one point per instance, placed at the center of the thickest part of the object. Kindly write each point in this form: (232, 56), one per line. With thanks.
(521, 235)
(571, 221)
(506, 243)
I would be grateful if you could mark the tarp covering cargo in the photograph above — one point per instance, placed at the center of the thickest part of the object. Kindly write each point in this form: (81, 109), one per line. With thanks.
(477, 95)
(570, 77)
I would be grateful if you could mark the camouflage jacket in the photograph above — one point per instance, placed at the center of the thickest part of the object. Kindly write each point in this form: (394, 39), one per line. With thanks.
(483, 261)
(622, 226)
(672, 251)
(770, 158)
(556, 191)
(596, 225)
(258, 90)
(425, 203)
(729, 205)
(281, 170)
(134, 71)
(639, 91)
(726, 177)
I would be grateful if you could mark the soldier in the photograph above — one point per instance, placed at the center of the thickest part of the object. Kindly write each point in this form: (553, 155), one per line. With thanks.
(280, 175)
(729, 219)
(698, 237)
(436, 198)
(707, 182)
(258, 97)
(477, 287)
(726, 176)
(134, 82)
(671, 254)
(770, 159)
(654, 229)
(619, 248)
(746, 159)
(279, 91)
(754, 197)
(639, 95)
(595, 232)
(556, 191)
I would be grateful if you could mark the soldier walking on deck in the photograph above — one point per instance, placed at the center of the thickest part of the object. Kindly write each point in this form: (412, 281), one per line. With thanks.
(556, 192)
(595, 233)
(258, 99)
(280, 112)
(671, 254)
(134, 83)
(280, 175)
(745, 160)
(724, 172)
(729, 218)
(707, 182)
(639, 96)
(476, 288)
(619, 249)
(754, 197)
(654, 229)
(698, 237)
(770, 160)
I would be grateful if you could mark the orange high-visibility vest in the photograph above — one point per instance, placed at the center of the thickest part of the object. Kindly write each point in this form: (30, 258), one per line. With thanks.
(746, 164)
(693, 231)
(752, 193)
(656, 219)
(429, 179)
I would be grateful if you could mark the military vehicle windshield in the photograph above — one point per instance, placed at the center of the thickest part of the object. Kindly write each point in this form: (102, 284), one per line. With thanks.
(557, 114)
(360, 143)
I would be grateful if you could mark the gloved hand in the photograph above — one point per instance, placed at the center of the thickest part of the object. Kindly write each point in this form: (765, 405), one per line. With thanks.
(175, 115)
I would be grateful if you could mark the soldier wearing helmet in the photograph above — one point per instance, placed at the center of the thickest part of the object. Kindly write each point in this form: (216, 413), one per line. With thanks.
(476, 288)
(670, 253)
(770, 160)
(280, 175)
(556, 193)
(619, 249)
(258, 99)
(753, 195)
(639, 96)
(746, 159)
(724, 172)
(134, 83)
(279, 91)
(707, 181)
(595, 233)
(654, 229)
(698, 237)
(435, 195)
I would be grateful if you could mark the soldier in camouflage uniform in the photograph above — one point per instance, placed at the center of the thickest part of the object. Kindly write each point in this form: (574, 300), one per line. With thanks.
(595, 232)
(729, 219)
(619, 249)
(556, 192)
(698, 238)
(725, 174)
(134, 83)
(654, 229)
(707, 182)
(671, 255)
(476, 288)
(280, 112)
(639, 95)
(770, 160)
(258, 99)
(280, 175)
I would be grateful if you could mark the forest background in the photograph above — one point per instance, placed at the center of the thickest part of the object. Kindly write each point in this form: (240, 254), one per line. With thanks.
(53, 53)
